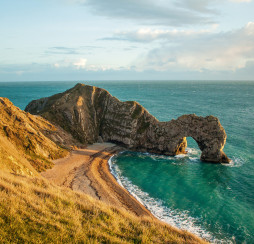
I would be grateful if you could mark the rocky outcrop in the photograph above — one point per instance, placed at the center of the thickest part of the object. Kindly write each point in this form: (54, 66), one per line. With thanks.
(91, 114)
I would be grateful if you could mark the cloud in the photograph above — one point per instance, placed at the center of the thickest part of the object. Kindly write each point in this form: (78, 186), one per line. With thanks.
(71, 63)
(153, 12)
(225, 51)
(70, 50)
(62, 70)
(201, 6)
(48, 72)
(80, 64)
(149, 35)
(61, 50)
(162, 12)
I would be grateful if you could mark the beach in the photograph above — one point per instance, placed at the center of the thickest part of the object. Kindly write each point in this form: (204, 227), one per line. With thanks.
(87, 171)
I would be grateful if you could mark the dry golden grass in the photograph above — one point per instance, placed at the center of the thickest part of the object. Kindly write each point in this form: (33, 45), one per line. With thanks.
(13, 160)
(34, 211)
(26, 133)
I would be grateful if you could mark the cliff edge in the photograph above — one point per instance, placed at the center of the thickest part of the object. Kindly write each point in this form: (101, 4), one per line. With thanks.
(27, 140)
(90, 114)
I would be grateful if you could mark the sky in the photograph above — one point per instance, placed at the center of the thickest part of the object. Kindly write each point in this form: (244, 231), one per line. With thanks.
(58, 40)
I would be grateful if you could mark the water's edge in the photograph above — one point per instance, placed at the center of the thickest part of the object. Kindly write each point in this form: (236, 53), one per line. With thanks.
(180, 220)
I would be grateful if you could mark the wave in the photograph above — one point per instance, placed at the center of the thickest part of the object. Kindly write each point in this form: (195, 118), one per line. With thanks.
(235, 162)
(193, 151)
(174, 217)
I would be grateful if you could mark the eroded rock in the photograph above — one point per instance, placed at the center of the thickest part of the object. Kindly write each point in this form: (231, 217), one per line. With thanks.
(91, 114)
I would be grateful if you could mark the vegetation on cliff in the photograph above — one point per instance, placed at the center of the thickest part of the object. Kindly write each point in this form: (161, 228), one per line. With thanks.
(23, 135)
(32, 210)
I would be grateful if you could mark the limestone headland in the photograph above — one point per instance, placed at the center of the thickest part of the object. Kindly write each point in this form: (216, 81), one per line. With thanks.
(92, 114)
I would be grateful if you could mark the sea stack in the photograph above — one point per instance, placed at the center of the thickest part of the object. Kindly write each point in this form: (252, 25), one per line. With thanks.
(90, 114)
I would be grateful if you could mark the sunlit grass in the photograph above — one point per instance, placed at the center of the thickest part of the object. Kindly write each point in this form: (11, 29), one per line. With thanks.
(34, 211)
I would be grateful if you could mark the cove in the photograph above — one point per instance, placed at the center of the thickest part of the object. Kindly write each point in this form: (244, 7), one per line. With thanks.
(188, 193)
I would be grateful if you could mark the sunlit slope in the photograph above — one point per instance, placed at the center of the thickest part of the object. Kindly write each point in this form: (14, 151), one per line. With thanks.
(32, 210)
(23, 139)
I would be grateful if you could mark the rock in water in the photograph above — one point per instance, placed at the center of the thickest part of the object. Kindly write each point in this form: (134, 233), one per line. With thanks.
(90, 113)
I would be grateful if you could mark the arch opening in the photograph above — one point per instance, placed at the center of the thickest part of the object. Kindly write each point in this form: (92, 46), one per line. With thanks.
(192, 147)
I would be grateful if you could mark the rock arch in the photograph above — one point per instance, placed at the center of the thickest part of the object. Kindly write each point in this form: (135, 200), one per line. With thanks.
(207, 131)
(100, 115)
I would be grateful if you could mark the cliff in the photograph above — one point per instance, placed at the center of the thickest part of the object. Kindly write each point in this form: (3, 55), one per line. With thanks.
(91, 114)
(27, 140)
(32, 210)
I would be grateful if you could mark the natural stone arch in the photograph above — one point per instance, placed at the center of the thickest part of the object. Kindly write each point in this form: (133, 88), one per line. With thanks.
(90, 113)
(206, 131)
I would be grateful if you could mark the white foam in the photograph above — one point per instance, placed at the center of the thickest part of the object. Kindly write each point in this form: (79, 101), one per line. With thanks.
(113, 171)
(179, 219)
(181, 156)
(235, 162)
(193, 151)
(193, 158)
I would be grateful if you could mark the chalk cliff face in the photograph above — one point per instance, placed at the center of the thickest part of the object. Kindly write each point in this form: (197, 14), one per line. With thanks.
(91, 114)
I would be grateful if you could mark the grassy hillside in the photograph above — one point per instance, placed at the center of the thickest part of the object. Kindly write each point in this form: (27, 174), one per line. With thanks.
(32, 210)
(12, 160)
(26, 133)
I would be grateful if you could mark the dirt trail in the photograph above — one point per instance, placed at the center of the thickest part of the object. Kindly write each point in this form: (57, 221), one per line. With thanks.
(87, 171)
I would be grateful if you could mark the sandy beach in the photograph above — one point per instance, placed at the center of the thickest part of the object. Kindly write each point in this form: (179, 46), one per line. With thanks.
(86, 170)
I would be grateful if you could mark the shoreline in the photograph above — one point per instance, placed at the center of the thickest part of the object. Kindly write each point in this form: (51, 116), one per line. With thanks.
(87, 171)
(165, 215)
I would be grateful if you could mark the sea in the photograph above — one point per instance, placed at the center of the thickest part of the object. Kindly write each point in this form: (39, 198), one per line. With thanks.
(213, 201)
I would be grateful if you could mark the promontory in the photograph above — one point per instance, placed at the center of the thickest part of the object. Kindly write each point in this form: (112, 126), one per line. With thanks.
(92, 114)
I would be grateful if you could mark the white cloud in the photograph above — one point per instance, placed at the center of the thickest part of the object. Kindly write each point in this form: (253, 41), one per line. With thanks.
(225, 51)
(71, 63)
(149, 35)
(250, 28)
(80, 64)
(93, 67)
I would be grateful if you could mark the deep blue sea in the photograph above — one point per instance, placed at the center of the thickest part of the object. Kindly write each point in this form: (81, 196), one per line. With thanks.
(213, 201)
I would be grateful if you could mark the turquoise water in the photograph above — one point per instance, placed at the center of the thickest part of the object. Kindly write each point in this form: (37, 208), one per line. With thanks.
(213, 201)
